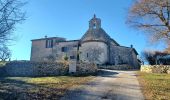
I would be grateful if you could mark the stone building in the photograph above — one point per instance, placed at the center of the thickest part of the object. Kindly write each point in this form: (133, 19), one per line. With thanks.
(95, 46)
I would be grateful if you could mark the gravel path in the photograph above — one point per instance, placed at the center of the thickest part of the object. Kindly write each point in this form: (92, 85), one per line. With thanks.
(108, 85)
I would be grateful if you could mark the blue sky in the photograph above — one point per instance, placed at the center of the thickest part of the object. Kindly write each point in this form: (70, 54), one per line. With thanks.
(69, 19)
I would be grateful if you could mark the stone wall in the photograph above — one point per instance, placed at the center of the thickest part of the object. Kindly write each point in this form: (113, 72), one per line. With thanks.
(34, 69)
(123, 55)
(38, 69)
(155, 68)
(86, 69)
(2, 71)
(116, 67)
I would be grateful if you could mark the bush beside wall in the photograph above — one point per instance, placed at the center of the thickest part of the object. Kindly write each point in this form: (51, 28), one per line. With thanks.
(156, 68)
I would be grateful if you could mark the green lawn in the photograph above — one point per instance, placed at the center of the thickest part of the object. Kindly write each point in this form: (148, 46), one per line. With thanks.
(42, 88)
(155, 86)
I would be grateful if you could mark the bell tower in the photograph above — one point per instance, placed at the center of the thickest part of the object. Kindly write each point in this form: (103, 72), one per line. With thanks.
(95, 23)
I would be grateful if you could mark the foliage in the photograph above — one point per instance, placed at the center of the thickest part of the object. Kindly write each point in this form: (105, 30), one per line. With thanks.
(152, 17)
(65, 57)
(155, 86)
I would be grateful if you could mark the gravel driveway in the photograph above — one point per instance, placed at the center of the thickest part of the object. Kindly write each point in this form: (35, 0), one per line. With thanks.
(108, 85)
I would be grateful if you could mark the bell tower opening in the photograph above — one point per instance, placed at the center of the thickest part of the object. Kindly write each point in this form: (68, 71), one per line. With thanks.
(94, 26)
(95, 23)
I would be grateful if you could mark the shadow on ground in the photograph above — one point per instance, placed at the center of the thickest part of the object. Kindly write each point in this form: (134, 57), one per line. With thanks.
(106, 73)
(13, 89)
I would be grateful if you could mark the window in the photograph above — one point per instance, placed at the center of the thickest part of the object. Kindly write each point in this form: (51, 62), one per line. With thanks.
(49, 43)
(79, 45)
(87, 55)
(75, 46)
(94, 26)
(72, 57)
(64, 49)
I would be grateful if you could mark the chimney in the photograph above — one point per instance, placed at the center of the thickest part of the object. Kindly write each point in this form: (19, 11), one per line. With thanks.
(131, 46)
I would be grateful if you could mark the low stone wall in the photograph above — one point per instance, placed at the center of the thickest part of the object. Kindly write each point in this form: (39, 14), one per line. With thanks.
(115, 67)
(86, 69)
(34, 69)
(2, 71)
(155, 68)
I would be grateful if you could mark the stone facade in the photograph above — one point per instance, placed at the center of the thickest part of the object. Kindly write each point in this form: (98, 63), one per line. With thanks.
(123, 55)
(95, 52)
(95, 46)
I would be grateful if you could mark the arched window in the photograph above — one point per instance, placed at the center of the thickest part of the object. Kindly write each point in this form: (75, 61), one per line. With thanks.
(94, 26)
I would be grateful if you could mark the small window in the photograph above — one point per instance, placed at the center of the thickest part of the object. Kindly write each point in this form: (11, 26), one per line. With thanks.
(94, 26)
(49, 43)
(87, 55)
(75, 46)
(64, 49)
(72, 57)
(79, 45)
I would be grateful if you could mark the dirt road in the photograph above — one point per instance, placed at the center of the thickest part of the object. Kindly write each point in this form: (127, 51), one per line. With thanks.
(108, 85)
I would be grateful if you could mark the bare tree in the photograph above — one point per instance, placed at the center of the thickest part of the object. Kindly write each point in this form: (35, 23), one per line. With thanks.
(5, 53)
(153, 57)
(152, 17)
(149, 56)
(10, 15)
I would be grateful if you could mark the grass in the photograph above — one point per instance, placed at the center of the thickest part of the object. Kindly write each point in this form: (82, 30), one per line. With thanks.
(155, 86)
(43, 88)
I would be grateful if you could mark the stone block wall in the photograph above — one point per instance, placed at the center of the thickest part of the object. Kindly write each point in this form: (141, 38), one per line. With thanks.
(2, 71)
(156, 68)
(123, 55)
(34, 69)
(86, 68)
(38, 69)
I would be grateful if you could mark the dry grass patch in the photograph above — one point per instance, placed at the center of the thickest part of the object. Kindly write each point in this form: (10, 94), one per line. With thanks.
(41, 88)
(155, 86)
